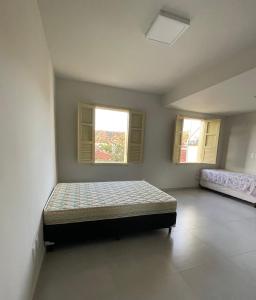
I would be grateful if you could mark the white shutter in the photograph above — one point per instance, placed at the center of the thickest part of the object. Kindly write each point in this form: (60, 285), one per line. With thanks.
(210, 141)
(136, 137)
(85, 133)
(177, 139)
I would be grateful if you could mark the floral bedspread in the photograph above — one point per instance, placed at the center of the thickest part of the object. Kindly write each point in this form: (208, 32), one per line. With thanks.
(237, 181)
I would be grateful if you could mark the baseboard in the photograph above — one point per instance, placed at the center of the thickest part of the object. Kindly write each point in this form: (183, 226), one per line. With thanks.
(179, 188)
(37, 271)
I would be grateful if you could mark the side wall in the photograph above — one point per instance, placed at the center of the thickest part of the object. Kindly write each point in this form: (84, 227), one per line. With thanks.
(157, 167)
(27, 161)
(240, 146)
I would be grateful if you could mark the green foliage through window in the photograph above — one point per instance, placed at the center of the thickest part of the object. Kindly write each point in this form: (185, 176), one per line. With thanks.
(111, 134)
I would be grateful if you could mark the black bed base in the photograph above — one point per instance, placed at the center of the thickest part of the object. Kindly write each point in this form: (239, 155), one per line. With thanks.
(74, 232)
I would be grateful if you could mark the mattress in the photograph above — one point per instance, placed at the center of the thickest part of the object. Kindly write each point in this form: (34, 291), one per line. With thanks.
(239, 185)
(80, 202)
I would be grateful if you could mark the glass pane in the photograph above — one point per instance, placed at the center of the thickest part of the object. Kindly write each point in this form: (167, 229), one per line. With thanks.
(111, 135)
(191, 138)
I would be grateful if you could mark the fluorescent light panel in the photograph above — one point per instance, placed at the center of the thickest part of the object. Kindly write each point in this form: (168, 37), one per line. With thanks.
(167, 28)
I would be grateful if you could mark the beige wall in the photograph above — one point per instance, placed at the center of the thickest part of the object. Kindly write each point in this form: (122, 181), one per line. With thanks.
(157, 167)
(27, 160)
(240, 146)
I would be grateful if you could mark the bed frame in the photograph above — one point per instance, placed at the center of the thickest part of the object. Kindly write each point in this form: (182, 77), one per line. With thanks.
(76, 232)
(230, 195)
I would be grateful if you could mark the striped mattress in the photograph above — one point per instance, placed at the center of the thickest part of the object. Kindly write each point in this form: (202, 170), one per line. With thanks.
(80, 202)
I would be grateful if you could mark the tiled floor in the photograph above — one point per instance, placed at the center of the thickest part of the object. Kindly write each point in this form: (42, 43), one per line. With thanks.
(211, 254)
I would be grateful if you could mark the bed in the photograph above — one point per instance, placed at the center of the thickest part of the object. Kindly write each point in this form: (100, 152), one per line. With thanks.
(77, 211)
(239, 185)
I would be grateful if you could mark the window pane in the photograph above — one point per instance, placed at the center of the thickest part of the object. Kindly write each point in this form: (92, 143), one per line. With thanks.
(111, 135)
(191, 138)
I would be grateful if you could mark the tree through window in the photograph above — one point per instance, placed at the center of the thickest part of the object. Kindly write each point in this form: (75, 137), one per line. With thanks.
(111, 135)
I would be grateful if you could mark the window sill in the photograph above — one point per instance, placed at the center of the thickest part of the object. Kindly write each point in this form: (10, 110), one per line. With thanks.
(110, 164)
(195, 163)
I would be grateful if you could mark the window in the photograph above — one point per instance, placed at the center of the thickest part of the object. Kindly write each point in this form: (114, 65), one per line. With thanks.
(109, 135)
(196, 140)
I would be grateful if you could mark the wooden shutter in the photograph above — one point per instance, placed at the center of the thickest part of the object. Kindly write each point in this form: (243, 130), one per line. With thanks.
(136, 137)
(210, 141)
(85, 133)
(177, 139)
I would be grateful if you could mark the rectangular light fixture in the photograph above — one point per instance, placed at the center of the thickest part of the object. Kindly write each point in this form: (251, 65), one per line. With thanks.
(167, 28)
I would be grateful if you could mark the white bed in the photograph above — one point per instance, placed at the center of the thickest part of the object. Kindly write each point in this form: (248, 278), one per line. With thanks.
(80, 202)
(239, 185)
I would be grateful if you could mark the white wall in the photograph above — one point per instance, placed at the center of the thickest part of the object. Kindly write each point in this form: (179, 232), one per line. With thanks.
(236, 64)
(27, 160)
(240, 146)
(157, 167)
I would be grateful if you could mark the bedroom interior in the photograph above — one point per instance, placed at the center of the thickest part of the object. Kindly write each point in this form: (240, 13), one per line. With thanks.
(128, 137)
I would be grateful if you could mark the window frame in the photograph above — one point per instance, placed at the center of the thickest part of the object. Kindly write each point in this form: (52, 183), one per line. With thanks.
(175, 145)
(93, 106)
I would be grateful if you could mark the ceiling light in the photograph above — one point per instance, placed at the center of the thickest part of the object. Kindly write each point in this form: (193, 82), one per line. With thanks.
(167, 28)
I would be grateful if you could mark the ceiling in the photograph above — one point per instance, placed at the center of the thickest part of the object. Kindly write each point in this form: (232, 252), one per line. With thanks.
(104, 41)
(232, 96)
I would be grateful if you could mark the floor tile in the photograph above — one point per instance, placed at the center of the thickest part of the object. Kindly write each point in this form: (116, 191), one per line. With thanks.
(210, 255)
(220, 281)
